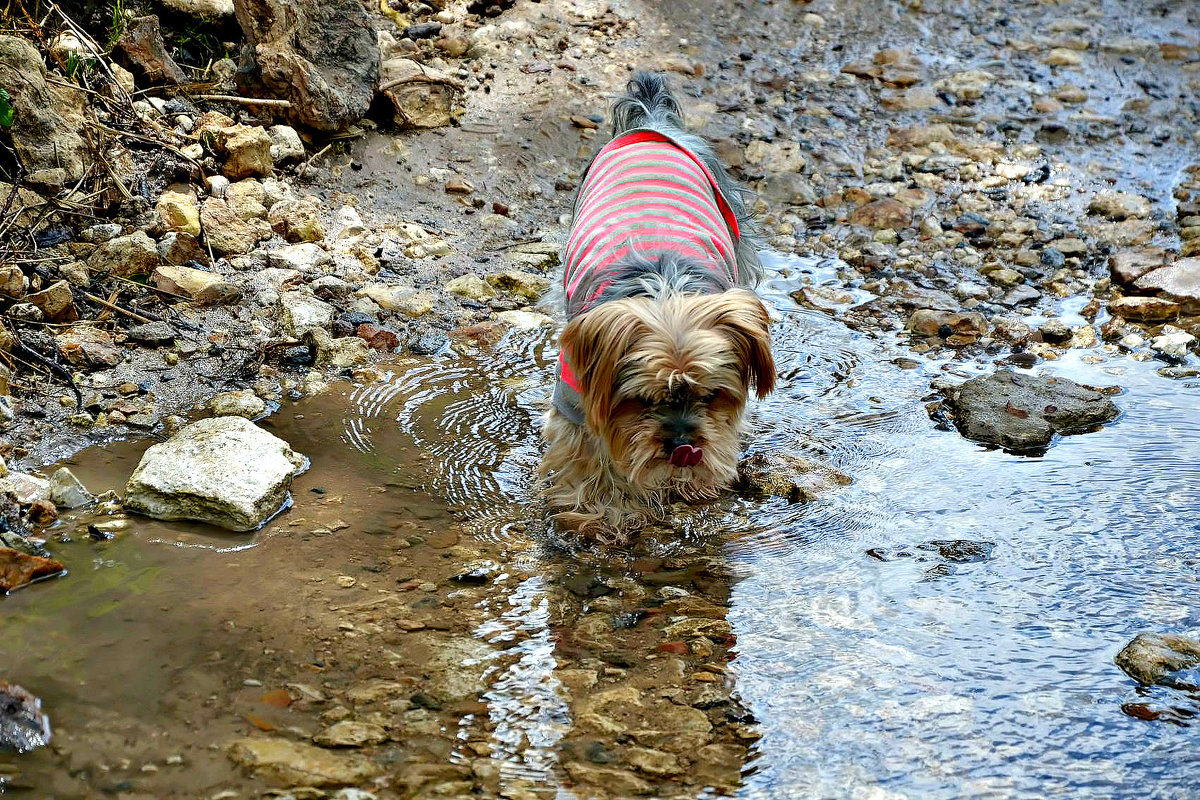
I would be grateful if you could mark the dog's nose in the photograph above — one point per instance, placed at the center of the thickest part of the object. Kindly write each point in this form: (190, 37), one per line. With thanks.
(670, 445)
(677, 431)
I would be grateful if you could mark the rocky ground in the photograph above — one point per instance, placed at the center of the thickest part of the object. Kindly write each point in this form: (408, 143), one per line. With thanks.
(1014, 180)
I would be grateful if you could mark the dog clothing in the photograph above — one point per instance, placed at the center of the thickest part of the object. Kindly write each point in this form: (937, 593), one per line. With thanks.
(643, 193)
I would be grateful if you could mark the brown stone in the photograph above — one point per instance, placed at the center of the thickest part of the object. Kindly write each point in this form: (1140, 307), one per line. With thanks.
(141, 50)
(88, 347)
(1144, 309)
(1128, 265)
(13, 282)
(881, 214)
(205, 288)
(380, 339)
(56, 302)
(18, 569)
(42, 513)
(931, 322)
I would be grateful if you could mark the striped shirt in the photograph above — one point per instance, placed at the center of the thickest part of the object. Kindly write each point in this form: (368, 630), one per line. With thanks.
(644, 192)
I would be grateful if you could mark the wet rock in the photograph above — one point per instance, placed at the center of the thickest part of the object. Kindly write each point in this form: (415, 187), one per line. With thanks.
(67, 491)
(381, 339)
(349, 351)
(297, 220)
(56, 302)
(523, 320)
(1022, 413)
(125, 256)
(18, 569)
(321, 56)
(285, 144)
(885, 213)
(1152, 658)
(526, 285)
(288, 763)
(404, 299)
(23, 726)
(1020, 295)
(948, 324)
(422, 96)
(152, 334)
(247, 151)
(179, 210)
(471, 286)
(298, 312)
(1172, 342)
(204, 288)
(652, 762)
(1119, 205)
(1179, 282)
(25, 312)
(787, 187)
(42, 513)
(1128, 265)
(243, 403)
(141, 50)
(1144, 309)
(350, 733)
(619, 782)
(1055, 331)
(89, 348)
(223, 470)
(786, 475)
(47, 120)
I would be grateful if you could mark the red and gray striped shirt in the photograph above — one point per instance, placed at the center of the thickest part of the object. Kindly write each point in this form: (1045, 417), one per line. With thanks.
(644, 192)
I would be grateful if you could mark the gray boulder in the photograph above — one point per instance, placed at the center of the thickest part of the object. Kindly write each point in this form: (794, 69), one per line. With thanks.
(1022, 413)
(323, 56)
(48, 119)
(224, 471)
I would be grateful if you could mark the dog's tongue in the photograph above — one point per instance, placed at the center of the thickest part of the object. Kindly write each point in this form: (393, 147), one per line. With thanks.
(686, 456)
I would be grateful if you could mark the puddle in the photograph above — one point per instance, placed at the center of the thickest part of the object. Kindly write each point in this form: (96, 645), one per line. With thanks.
(765, 650)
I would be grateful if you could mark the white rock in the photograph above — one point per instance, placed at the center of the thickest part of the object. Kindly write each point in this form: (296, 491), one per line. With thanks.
(285, 144)
(304, 256)
(1173, 342)
(27, 488)
(524, 320)
(67, 491)
(223, 470)
(299, 312)
(202, 8)
(244, 403)
(350, 223)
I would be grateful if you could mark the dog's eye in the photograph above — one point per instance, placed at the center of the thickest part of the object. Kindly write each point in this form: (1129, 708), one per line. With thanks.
(646, 401)
(708, 398)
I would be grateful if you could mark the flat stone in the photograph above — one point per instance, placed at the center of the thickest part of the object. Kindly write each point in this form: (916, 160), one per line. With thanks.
(884, 213)
(1179, 282)
(1128, 265)
(786, 475)
(154, 334)
(1144, 309)
(223, 470)
(89, 347)
(201, 286)
(1151, 658)
(934, 322)
(18, 569)
(287, 763)
(1120, 205)
(350, 733)
(526, 285)
(1022, 413)
(613, 782)
(304, 256)
(27, 488)
(471, 286)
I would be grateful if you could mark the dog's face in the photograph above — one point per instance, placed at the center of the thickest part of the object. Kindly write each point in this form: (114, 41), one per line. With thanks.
(665, 382)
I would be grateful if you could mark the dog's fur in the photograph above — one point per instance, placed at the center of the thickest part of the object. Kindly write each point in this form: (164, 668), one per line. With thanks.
(670, 353)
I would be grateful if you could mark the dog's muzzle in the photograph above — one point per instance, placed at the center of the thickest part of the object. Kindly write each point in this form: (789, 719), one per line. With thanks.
(686, 456)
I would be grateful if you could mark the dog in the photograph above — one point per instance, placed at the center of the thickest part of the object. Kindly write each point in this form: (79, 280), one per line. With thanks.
(665, 339)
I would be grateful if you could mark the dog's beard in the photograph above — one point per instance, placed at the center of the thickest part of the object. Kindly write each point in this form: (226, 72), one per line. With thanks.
(640, 453)
(658, 373)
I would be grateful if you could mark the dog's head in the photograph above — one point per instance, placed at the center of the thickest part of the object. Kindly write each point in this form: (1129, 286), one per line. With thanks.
(665, 381)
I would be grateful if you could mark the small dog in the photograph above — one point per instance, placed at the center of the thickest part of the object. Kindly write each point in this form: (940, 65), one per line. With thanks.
(665, 339)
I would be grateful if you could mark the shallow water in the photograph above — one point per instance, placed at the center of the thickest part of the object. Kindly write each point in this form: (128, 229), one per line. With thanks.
(942, 627)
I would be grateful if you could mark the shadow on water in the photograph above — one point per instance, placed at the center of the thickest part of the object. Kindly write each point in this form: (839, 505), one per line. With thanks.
(944, 626)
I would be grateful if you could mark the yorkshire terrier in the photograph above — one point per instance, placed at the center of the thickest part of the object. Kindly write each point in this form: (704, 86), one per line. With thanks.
(665, 339)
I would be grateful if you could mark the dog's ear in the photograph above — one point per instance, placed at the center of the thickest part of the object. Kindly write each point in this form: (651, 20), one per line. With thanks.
(594, 343)
(742, 317)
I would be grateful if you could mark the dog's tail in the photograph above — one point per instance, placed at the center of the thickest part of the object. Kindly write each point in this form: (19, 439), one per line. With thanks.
(647, 103)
